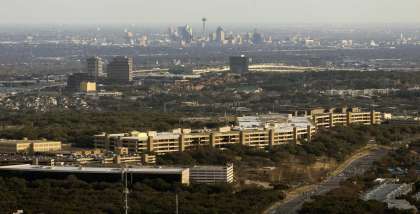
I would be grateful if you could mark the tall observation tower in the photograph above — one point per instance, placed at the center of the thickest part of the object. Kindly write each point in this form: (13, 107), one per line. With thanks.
(204, 20)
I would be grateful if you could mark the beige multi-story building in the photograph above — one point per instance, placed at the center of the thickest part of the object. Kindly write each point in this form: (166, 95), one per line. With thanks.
(166, 142)
(136, 142)
(45, 146)
(108, 142)
(275, 129)
(260, 132)
(190, 141)
(162, 143)
(148, 159)
(344, 117)
(225, 136)
(256, 138)
(29, 146)
(122, 159)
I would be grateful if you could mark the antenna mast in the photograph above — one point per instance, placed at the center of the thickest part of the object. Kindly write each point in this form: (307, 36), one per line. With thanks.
(177, 204)
(204, 20)
(125, 188)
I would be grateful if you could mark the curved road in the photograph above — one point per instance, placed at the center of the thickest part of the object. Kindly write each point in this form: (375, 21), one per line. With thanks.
(357, 166)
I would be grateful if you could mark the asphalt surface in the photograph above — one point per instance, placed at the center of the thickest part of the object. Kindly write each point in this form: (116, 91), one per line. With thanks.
(357, 167)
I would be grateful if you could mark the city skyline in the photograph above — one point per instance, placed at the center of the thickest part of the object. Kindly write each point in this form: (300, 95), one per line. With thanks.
(210, 107)
(234, 11)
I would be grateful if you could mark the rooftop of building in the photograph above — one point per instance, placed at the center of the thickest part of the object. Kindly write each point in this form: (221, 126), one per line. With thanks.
(166, 135)
(336, 110)
(38, 168)
(278, 122)
(211, 167)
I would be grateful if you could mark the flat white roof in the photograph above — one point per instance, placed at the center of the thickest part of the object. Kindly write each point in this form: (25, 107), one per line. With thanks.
(211, 167)
(143, 170)
(166, 135)
(280, 122)
(142, 138)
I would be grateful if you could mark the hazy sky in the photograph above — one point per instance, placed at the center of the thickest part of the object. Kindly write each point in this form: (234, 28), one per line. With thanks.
(217, 11)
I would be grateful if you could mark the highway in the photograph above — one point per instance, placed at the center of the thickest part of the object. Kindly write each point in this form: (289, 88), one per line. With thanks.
(357, 165)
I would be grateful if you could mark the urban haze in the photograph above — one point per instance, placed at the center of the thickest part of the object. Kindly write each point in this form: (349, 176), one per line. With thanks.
(210, 107)
(221, 11)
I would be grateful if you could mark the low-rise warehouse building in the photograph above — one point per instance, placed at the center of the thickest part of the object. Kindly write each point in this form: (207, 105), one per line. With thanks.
(212, 174)
(96, 174)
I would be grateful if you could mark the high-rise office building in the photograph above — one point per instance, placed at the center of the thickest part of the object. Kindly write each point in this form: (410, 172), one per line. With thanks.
(220, 35)
(239, 64)
(120, 70)
(185, 33)
(212, 36)
(95, 68)
(129, 38)
(257, 38)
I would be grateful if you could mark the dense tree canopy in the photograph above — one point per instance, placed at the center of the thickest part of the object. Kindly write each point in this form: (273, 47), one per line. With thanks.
(153, 196)
(79, 127)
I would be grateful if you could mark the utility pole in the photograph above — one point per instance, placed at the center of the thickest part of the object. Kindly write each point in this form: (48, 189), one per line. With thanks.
(176, 203)
(125, 188)
(225, 117)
